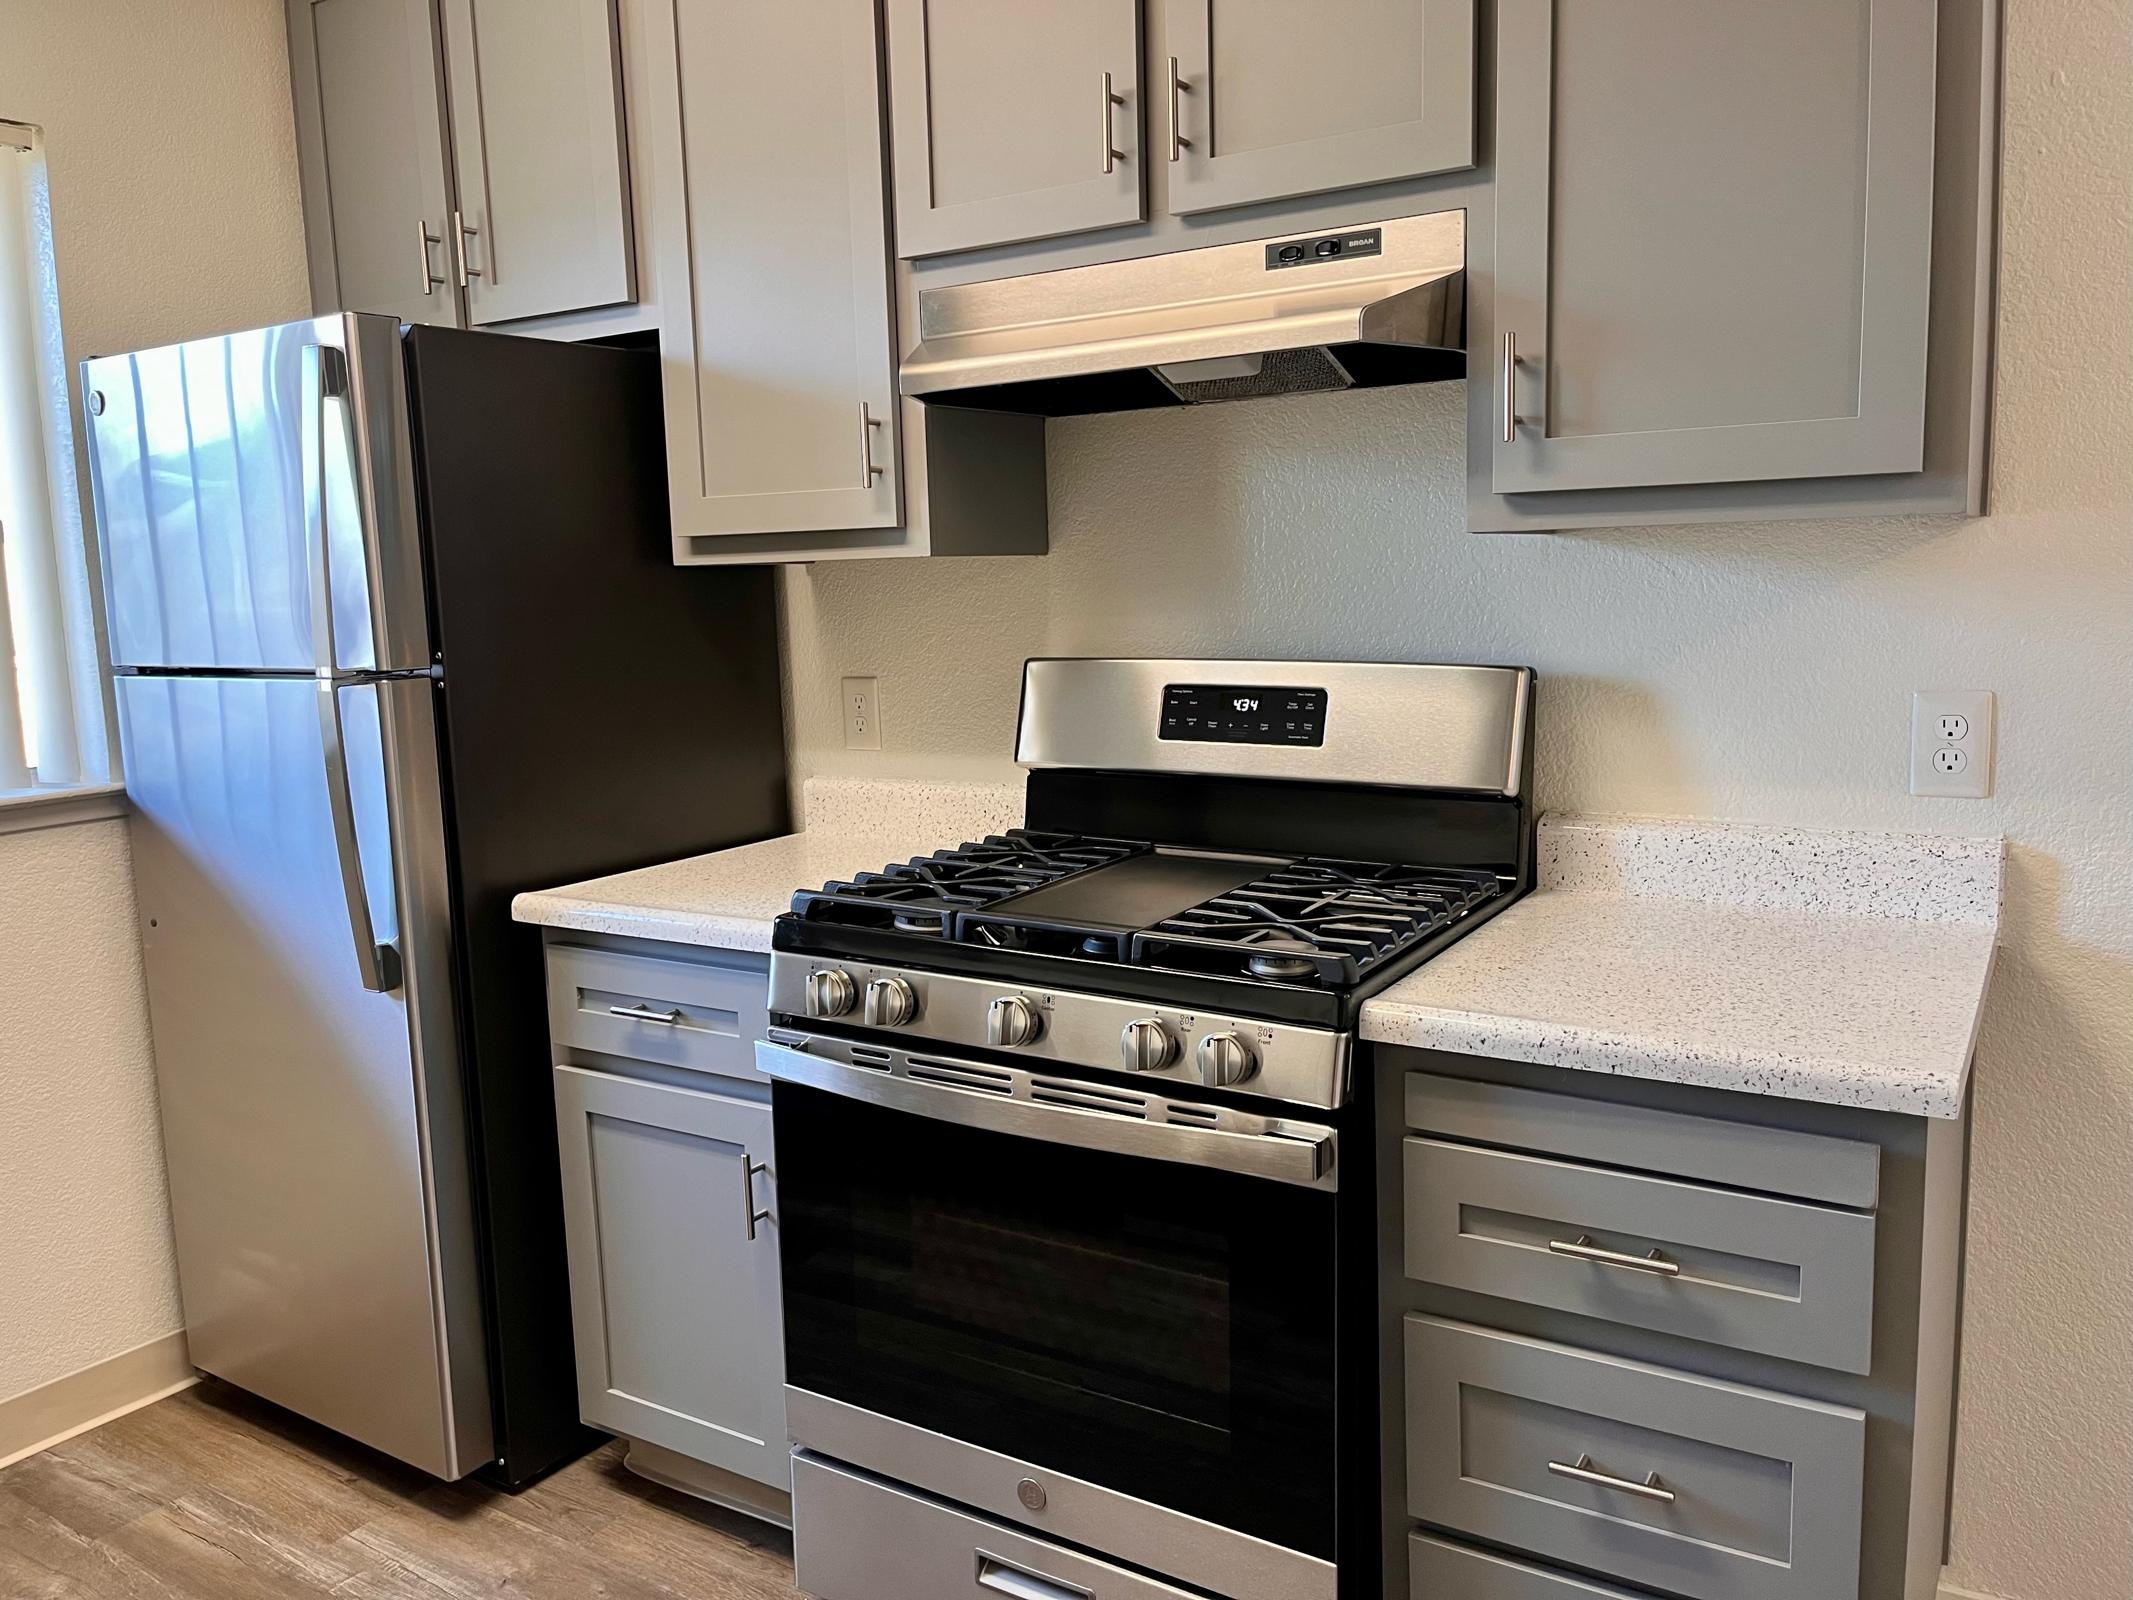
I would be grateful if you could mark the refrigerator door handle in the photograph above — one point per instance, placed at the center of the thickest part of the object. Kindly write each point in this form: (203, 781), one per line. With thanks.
(325, 378)
(378, 964)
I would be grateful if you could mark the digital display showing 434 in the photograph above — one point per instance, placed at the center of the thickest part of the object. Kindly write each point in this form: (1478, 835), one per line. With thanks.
(1217, 713)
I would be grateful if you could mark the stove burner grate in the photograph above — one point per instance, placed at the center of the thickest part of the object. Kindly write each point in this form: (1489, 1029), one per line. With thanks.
(1316, 921)
(924, 894)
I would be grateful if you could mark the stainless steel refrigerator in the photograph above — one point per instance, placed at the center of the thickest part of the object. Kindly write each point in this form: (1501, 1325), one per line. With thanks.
(397, 634)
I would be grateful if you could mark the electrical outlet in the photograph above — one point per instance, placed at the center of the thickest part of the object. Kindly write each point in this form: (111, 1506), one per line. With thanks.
(1951, 743)
(862, 713)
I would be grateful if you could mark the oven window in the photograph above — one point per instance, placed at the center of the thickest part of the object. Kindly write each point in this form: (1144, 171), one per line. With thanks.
(1162, 1329)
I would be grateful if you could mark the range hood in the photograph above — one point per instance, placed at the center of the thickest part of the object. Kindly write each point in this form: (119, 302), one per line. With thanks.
(1354, 308)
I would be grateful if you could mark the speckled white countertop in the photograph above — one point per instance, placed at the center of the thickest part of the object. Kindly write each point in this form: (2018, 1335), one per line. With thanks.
(1842, 967)
(729, 897)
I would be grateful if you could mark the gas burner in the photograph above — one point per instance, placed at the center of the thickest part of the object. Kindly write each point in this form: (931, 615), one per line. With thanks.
(923, 895)
(1316, 921)
(1280, 960)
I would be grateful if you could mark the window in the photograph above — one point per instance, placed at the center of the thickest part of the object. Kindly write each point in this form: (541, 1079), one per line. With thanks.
(48, 674)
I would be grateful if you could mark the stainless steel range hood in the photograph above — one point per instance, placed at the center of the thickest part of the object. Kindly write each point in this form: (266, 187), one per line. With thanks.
(1352, 308)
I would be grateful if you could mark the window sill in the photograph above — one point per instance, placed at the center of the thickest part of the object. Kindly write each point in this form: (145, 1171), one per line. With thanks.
(24, 809)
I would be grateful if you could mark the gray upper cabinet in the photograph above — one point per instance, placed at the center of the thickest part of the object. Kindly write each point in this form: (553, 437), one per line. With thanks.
(1260, 104)
(675, 1304)
(771, 241)
(543, 219)
(1013, 123)
(1713, 242)
(369, 100)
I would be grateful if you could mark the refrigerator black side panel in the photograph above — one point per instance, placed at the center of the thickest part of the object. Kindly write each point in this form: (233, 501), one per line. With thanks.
(601, 709)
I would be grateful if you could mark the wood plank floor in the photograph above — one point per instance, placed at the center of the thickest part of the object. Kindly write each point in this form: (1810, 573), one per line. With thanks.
(213, 1495)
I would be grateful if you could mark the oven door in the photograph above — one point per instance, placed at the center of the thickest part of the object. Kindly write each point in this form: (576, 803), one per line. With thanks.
(1057, 1271)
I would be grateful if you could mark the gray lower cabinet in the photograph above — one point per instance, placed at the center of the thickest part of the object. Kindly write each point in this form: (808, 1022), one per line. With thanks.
(1254, 106)
(702, 1012)
(1699, 1487)
(542, 224)
(1714, 231)
(1013, 122)
(1438, 1569)
(670, 1222)
(366, 81)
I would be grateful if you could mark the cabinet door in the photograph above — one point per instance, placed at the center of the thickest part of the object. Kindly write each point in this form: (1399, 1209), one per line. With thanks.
(1256, 107)
(772, 227)
(543, 219)
(369, 106)
(668, 1221)
(1013, 122)
(1713, 241)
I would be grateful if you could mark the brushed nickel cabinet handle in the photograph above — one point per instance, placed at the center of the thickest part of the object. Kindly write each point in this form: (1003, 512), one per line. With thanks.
(1584, 1472)
(464, 230)
(432, 279)
(1178, 86)
(1510, 387)
(749, 1169)
(668, 1018)
(1112, 154)
(869, 468)
(1584, 1249)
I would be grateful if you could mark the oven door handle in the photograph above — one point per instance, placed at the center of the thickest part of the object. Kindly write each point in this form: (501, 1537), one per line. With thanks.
(1287, 1152)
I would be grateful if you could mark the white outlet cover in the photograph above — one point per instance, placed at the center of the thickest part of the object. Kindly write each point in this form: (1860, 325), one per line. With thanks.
(862, 713)
(1952, 734)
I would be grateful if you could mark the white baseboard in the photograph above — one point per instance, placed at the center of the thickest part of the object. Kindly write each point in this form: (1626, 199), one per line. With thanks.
(1949, 1591)
(41, 1417)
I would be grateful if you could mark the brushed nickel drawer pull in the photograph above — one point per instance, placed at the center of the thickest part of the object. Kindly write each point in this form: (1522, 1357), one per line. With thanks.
(1112, 154)
(1584, 1472)
(1583, 1249)
(668, 1018)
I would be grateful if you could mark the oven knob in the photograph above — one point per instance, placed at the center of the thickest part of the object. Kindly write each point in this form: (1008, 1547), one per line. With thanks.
(891, 1002)
(1011, 1022)
(1225, 1059)
(1146, 1046)
(830, 993)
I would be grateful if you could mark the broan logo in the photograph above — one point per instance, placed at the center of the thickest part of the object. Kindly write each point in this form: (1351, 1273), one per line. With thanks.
(1243, 704)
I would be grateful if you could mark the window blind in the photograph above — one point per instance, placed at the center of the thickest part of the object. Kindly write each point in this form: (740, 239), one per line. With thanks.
(39, 743)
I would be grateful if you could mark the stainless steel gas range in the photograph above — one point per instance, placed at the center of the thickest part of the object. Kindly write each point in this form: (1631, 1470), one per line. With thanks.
(1077, 1206)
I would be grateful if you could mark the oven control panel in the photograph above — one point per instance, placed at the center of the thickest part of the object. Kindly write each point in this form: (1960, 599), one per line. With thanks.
(1217, 713)
(1273, 1060)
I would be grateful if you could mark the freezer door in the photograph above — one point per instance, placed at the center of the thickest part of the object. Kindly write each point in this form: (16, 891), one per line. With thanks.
(313, 1123)
(239, 480)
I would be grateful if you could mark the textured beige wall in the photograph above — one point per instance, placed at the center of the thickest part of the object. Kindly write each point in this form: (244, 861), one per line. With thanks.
(173, 175)
(1751, 672)
(84, 1220)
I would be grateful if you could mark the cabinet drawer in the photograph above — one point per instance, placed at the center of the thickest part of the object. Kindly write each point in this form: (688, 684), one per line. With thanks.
(1440, 1570)
(858, 1538)
(1608, 1133)
(1781, 1277)
(1659, 1477)
(704, 1014)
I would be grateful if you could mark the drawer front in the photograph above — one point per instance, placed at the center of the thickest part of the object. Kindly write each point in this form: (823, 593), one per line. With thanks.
(1608, 1133)
(1440, 1570)
(1780, 1277)
(1654, 1476)
(704, 1014)
(858, 1538)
